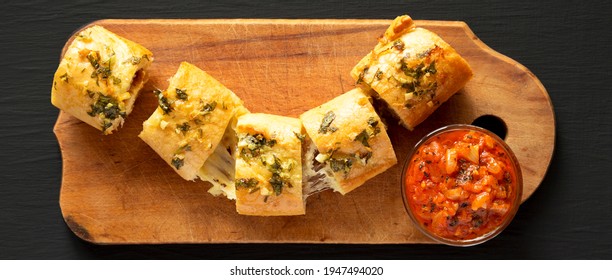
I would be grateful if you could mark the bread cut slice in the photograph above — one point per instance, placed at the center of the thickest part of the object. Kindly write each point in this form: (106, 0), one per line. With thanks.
(269, 165)
(350, 139)
(189, 124)
(412, 70)
(99, 78)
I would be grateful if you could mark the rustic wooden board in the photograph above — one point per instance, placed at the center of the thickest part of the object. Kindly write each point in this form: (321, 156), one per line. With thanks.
(116, 190)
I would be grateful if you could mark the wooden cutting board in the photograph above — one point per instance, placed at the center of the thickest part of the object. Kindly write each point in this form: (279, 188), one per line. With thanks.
(116, 190)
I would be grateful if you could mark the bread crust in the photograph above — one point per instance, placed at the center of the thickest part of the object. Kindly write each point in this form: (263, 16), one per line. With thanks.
(269, 173)
(99, 78)
(412, 70)
(191, 120)
(356, 136)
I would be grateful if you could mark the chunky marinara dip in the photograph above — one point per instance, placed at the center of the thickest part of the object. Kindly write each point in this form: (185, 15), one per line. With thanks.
(461, 184)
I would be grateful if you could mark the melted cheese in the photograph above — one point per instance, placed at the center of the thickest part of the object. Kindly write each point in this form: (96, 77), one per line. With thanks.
(219, 168)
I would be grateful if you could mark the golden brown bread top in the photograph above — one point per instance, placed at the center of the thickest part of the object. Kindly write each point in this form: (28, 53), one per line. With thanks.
(191, 119)
(413, 70)
(99, 77)
(351, 138)
(269, 165)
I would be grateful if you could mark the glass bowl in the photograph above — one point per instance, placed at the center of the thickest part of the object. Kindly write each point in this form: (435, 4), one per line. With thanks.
(455, 197)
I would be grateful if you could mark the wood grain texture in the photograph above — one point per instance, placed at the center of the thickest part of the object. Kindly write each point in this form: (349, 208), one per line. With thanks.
(115, 189)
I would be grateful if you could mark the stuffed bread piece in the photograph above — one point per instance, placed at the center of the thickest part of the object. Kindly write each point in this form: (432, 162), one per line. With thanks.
(269, 166)
(191, 131)
(412, 70)
(99, 78)
(350, 141)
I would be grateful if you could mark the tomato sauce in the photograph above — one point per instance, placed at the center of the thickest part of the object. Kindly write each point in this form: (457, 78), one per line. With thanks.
(461, 184)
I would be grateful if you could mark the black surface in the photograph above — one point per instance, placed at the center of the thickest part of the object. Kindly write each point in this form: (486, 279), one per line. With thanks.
(565, 43)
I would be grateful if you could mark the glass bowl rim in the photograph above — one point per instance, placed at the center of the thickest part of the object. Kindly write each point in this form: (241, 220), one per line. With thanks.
(518, 193)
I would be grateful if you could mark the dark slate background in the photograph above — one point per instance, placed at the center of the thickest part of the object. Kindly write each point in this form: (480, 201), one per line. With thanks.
(565, 43)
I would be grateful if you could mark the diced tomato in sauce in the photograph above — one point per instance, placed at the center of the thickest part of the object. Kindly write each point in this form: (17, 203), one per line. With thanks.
(460, 184)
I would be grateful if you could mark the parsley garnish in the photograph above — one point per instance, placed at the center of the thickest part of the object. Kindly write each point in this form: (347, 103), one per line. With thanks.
(64, 77)
(100, 70)
(134, 60)
(373, 123)
(363, 137)
(177, 162)
(277, 183)
(299, 136)
(209, 107)
(106, 105)
(181, 94)
(254, 145)
(327, 120)
(338, 165)
(184, 127)
(246, 183)
(366, 157)
(378, 75)
(398, 45)
(164, 104)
